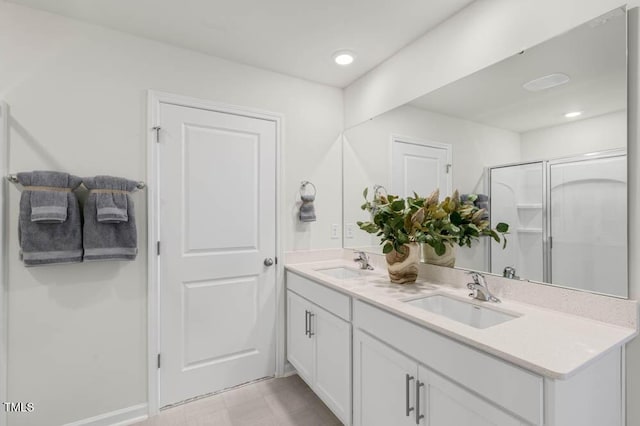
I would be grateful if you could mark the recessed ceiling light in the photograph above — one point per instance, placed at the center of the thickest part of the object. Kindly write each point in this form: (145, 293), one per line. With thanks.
(546, 82)
(573, 114)
(344, 57)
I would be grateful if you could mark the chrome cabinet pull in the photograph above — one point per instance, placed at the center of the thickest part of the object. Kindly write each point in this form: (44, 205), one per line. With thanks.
(306, 322)
(311, 315)
(419, 416)
(408, 379)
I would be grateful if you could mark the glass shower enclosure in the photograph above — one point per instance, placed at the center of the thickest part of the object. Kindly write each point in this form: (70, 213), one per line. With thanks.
(568, 221)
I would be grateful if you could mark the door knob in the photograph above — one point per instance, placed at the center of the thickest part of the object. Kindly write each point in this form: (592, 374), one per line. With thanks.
(268, 261)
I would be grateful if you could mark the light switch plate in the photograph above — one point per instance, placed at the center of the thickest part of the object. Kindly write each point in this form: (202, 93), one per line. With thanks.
(349, 230)
(335, 231)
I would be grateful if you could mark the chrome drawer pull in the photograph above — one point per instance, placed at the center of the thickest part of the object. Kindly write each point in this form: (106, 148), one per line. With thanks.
(311, 315)
(408, 379)
(419, 416)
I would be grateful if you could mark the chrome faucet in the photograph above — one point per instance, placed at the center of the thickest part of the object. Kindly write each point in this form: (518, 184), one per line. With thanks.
(362, 259)
(510, 272)
(479, 288)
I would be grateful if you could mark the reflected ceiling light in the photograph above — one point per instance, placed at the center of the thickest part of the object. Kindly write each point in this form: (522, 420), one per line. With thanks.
(344, 57)
(546, 82)
(573, 114)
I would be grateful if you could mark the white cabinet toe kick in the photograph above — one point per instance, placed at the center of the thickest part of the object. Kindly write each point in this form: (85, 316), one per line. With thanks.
(372, 367)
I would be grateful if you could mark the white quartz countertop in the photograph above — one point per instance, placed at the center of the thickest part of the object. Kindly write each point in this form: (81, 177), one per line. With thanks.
(551, 343)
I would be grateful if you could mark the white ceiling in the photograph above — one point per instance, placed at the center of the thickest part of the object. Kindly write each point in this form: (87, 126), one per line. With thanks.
(294, 37)
(593, 56)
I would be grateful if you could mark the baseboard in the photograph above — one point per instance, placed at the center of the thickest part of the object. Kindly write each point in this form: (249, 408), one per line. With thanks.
(289, 370)
(122, 417)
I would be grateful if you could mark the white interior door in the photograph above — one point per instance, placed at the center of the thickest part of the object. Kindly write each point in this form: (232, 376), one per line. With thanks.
(420, 167)
(217, 226)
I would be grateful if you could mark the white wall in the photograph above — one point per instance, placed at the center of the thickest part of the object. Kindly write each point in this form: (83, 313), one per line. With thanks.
(485, 32)
(367, 155)
(608, 131)
(77, 93)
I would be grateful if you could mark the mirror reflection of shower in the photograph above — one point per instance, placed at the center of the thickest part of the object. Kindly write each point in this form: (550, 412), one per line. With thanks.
(569, 221)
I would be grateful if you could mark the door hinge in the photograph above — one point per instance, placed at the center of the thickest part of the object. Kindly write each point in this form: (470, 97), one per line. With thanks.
(158, 360)
(449, 168)
(157, 129)
(158, 248)
(276, 259)
(550, 242)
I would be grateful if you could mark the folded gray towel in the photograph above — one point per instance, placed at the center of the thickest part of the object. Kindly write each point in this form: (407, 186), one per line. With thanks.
(109, 239)
(111, 206)
(481, 202)
(307, 209)
(48, 197)
(44, 238)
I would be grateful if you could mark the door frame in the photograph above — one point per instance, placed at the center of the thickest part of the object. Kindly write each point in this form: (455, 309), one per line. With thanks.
(155, 98)
(429, 144)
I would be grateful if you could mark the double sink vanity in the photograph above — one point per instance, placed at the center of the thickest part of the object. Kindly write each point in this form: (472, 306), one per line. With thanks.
(379, 353)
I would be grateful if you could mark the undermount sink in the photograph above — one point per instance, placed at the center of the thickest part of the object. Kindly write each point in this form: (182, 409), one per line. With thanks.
(342, 273)
(464, 312)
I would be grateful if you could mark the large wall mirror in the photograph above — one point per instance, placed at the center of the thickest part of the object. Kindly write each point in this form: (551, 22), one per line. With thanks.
(541, 136)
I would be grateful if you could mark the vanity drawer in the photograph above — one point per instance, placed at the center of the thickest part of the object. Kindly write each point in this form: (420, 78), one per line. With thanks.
(499, 382)
(331, 300)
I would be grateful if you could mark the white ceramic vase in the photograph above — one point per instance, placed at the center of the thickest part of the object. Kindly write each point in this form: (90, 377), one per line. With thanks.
(448, 259)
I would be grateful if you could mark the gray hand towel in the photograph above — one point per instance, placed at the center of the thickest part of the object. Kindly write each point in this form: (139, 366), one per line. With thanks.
(47, 206)
(111, 206)
(307, 209)
(49, 242)
(481, 201)
(109, 240)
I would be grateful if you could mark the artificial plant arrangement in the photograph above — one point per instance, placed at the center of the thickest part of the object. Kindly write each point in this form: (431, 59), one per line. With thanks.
(402, 224)
(456, 222)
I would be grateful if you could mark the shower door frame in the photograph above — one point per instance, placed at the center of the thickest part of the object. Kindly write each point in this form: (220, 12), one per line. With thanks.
(547, 238)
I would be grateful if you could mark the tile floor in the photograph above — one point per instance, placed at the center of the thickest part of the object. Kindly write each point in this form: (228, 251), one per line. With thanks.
(273, 402)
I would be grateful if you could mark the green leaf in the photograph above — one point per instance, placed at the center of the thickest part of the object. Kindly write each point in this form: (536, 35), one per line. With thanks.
(402, 238)
(387, 248)
(439, 248)
(397, 205)
(502, 227)
(455, 218)
(365, 192)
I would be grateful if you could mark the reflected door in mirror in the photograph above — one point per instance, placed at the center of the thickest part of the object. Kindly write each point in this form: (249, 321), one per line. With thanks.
(420, 167)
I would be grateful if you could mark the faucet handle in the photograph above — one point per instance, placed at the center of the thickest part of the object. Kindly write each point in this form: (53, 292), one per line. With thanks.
(360, 255)
(475, 276)
(474, 290)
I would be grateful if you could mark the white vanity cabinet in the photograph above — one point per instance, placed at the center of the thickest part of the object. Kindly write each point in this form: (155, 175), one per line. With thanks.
(408, 374)
(393, 389)
(319, 341)
(383, 384)
(452, 384)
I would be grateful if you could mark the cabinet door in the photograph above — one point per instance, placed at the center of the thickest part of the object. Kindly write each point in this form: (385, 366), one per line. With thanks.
(384, 384)
(333, 362)
(444, 403)
(299, 343)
